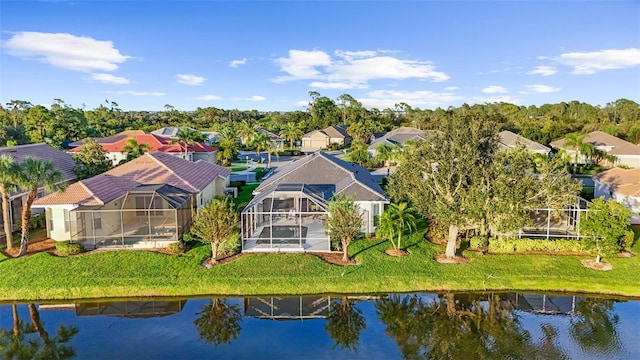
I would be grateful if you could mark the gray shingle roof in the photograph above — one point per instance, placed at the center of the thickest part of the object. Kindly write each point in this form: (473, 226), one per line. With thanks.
(509, 139)
(320, 168)
(399, 137)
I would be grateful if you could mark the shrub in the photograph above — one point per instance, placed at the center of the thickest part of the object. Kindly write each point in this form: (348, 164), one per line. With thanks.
(626, 242)
(65, 248)
(506, 245)
(478, 242)
(177, 248)
(437, 233)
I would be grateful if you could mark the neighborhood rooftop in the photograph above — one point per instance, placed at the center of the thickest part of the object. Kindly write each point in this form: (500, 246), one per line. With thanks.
(602, 140)
(41, 151)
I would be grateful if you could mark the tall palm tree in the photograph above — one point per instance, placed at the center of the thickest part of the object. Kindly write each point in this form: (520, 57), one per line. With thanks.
(133, 149)
(32, 174)
(186, 137)
(272, 150)
(228, 144)
(8, 169)
(261, 142)
(246, 131)
(577, 142)
(291, 132)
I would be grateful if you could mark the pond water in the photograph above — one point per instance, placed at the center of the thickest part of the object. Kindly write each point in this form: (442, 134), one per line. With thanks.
(393, 326)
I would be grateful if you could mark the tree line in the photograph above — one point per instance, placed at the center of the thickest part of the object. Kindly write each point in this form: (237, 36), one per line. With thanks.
(22, 122)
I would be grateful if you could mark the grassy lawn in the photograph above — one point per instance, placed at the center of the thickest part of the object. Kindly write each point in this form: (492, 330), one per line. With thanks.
(142, 273)
(237, 168)
(245, 194)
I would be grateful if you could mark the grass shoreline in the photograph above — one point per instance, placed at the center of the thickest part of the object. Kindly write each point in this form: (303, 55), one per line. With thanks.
(134, 274)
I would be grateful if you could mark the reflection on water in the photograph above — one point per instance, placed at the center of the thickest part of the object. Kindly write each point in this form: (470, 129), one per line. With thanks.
(449, 325)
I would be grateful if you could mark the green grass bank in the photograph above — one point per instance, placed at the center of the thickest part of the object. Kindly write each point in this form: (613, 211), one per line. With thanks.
(142, 273)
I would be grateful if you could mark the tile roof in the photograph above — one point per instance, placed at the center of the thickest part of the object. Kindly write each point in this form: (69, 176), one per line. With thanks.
(611, 144)
(509, 139)
(116, 142)
(151, 168)
(337, 131)
(623, 181)
(61, 160)
(400, 136)
(320, 168)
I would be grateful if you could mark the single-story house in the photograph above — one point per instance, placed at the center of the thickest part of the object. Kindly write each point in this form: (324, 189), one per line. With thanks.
(277, 141)
(322, 139)
(396, 137)
(147, 202)
(171, 132)
(622, 185)
(62, 161)
(289, 209)
(510, 140)
(627, 154)
(114, 144)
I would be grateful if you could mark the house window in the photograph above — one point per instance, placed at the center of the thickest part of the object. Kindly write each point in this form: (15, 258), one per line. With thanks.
(66, 220)
(97, 221)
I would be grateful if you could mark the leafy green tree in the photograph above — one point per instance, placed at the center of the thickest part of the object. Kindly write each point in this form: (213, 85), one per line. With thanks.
(217, 224)
(8, 173)
(603, 226)
(32, 174)
(344, 223)
(359, 153)
(133, 149)
(397, 219)
(218, 322)
(291, 132)
(344, 324)
(186, 137)
(91, 160)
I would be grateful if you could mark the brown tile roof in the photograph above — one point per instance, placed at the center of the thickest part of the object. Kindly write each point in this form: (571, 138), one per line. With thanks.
(151, 168)
(623, 181)
(61, 160)
(118, 141)
(613, 145)
(509, 139)
(320, 168)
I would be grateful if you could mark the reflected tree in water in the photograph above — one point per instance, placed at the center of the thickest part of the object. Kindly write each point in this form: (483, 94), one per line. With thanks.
(594, 330)
(344, 324)
(463, 326)
(218, 322)
(20, 344)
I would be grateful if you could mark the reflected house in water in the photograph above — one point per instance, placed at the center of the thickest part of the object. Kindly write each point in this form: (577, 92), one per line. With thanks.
(289, 209)
(287, 308)
(128, 309)
(545, 304)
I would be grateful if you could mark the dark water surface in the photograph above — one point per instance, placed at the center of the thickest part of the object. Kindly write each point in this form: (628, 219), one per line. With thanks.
(438, 326)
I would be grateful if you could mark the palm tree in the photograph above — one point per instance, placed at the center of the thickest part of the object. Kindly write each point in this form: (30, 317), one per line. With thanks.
(186, 137)
(8, 169)
(32, 174)
(577, 142)
(291, 132)
(400, 217)
(228, 144)
(133, 149)
(246, 131)
(272, 150)
(261, 141)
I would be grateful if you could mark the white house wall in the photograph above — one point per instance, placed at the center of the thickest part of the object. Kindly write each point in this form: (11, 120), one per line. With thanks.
(630, 202)
(369, 210)
(632, 161)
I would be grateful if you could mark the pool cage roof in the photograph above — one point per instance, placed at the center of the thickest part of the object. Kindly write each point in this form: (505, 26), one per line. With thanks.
(159, 193)
(319, 194)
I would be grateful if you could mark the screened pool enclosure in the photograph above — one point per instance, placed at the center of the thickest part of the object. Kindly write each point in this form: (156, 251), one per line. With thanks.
(290, 217)
(150, 216)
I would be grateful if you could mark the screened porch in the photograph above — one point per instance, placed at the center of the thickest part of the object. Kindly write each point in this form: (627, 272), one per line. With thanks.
(289, 218)
(150, 216)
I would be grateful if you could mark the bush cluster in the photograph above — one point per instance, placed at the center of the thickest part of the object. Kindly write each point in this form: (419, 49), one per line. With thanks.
(65, 248)
(177, 248)
(478, 242)
(505, 245)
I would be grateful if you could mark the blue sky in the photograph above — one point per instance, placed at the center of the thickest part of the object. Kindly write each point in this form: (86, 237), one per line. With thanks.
(268, 55)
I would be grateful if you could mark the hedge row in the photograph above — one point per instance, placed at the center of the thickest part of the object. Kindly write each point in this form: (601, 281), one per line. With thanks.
(505, 245)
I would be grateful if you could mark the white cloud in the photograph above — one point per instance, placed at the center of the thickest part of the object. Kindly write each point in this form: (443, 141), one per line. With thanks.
(496, 99)
(302, 103)
(451, 88)
(542, 88)
(494, 89)
(593, 62)
(79, 53)
(543, 70)
(209, 97)
(236, 63)
(136, 93)
(188, 79)
(109, 79)
(253, 98)
(353, 68)
(337, 85)
(383, 99)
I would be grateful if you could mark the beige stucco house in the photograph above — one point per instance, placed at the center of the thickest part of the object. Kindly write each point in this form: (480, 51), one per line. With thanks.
(322, 139)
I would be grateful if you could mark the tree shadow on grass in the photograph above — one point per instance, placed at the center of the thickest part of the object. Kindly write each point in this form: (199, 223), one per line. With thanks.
(372, 245)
